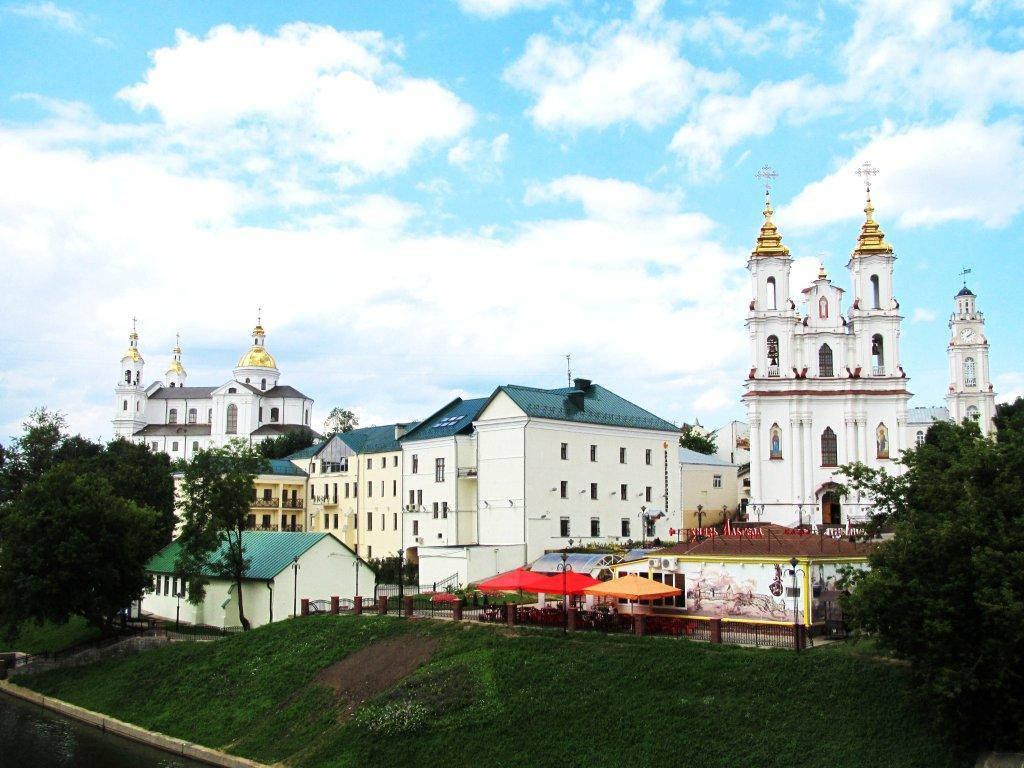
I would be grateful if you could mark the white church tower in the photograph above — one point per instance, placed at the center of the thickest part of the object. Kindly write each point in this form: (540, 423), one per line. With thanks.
(130, 394)
(970, 388)
(176, 373)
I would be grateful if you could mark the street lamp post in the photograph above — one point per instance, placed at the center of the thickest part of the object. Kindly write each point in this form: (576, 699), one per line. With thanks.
(565, 567)
(295, 584)
(796, 615)
(700, 515)
(401, 579)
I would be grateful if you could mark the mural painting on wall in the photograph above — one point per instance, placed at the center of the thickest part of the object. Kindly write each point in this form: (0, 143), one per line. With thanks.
(716, 592)
(823, 590)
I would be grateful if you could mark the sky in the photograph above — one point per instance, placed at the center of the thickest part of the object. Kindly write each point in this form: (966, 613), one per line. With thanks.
(429, 199)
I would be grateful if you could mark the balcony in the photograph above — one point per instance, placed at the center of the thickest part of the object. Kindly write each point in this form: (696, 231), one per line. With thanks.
(264, 503)
(773, 371)
(261, 528)
(878, 370)
(291, 503)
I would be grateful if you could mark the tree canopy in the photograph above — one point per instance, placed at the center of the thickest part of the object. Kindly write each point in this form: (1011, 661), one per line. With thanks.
(340, 420)
(946, 591)
(697, 440)
(284, 445)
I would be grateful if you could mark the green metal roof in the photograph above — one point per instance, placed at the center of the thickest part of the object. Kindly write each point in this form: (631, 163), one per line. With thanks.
(374, 439)
(307, 453)
(284, 467)
(454, 418)
(600, 406)
(269, 553)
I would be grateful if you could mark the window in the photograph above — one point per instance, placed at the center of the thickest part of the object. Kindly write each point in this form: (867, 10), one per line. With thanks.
(415, 463)
(231, 425)
(335, 520)
(829, 448)
(919, 438)
(970, 376)
(439, 470)
(564, 489)
(156, 445)
(773, 354)
(127, 377)
(346, 490)
(775, 446)
(625, 528)
(419, 497)
(305, 417)
(563, 527)
(263, 383)
(192, 415)
(772, 296)
(394, 521)
(261, 414)
(593, 453)
(394, 488)
(648, 526)
(415, 527)
(369, 463)
(369, 522)
(647, 457)
(394, 460)
(124, 407)
(881, 442)
(369, 552)
(595, 526)
(266, 494)
(334, 492)
(275, 414)
(648, 494)
(716, 481)
(209, 415)
(624, 492)
(435, 509)
(593, 491)
(327, 520)
(232, 390)
(444, 510)
(369, 489)
(195, 446)
(172, 416)
(622, 455)
(972, 413)
(876, 297)
(878, 354)
(412, 498)
(174, 445)
(825, 360)
(823, 308)
(565, 451)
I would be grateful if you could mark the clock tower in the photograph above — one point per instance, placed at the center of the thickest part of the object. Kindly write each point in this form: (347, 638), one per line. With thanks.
(970, 389)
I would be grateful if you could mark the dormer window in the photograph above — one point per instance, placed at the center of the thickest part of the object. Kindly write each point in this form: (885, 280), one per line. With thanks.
(232, 390)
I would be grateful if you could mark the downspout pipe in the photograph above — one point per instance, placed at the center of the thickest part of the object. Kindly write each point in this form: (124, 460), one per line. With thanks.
(270, 586)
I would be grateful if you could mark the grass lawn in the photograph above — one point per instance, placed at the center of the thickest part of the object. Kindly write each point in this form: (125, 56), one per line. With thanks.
(532, 698)
(49, 637)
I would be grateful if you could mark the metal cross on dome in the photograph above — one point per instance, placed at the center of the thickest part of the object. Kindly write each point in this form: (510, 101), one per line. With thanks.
(964, 273)
(867, 171)
(767, 175)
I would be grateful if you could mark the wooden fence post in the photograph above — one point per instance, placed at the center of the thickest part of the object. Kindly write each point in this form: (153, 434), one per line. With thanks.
(716, 630)
(357, 605)
(335, 604)
(408, 607)
(305, 606)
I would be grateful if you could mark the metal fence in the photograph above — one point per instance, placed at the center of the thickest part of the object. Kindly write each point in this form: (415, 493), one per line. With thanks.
(761, 635)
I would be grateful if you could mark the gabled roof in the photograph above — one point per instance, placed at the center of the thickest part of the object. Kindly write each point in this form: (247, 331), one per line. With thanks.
(307, 453)
(184, 430)
(926, 415)
(283, 429)
(782, 546)
(284, 467)
(269, 553)
(181, 393)
(283, 390)
(688, 456)
(453, 419)
(599, 406)
(374, 439)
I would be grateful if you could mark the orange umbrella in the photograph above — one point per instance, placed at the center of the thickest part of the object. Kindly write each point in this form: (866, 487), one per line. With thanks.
(632, 587)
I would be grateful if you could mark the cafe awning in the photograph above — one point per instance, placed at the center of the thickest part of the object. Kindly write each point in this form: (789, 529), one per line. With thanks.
(632, 587)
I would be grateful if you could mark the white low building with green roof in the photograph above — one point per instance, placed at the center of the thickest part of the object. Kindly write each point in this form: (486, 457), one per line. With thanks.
(272, 589)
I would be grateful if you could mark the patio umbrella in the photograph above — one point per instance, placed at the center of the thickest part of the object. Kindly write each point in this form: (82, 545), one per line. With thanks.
(444, 597)
(632, 587)
(510, 581)
(571, 583)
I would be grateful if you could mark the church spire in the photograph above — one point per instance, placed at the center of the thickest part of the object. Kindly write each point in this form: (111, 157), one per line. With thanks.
(871, 238)
(176, 372)
(769, 241)
(132, 353)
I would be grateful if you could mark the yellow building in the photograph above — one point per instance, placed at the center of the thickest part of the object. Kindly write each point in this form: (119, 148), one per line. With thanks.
(709, 488)
(279, 498)
(355, 488)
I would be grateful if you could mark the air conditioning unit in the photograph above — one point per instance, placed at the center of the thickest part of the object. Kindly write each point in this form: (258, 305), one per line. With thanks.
(655, 563)
(419, 539)
(667, 563)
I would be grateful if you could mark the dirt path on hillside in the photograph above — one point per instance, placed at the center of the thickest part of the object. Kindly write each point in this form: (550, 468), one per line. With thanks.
(372, 670)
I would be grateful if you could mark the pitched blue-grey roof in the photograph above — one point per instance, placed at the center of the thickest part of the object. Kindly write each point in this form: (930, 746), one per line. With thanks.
(307, 453)
(284, 467)
(374, 439)
(269, 553)
(688, 456)
(452, 419)
(599, 406)
(926, 415)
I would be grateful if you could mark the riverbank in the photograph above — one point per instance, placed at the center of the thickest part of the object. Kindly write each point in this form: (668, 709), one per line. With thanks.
(346, 690)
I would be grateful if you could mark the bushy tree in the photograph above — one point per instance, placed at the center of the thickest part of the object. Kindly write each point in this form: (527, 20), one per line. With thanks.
(73, 547)
(340, 420)
(696, 439)
(285, 445)
(216, 495)
(946, 591)
(29, 456)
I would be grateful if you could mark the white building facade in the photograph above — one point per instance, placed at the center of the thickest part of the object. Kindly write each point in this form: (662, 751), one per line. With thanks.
(823, 389)
(179, 419)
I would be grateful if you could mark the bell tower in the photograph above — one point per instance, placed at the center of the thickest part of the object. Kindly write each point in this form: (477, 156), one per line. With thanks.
(176, 373)
(130, 394)
(970, 389)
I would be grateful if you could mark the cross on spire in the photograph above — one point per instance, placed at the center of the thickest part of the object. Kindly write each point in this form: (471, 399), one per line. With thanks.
(867, 171)
(767, 175)
(133, 323)
(259, 315)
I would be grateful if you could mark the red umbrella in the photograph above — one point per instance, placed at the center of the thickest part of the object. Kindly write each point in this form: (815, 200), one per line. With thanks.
(444, 597)
(520, 578)
(569, 583)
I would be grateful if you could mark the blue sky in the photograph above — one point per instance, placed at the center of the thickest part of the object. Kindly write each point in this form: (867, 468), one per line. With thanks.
(433, 198)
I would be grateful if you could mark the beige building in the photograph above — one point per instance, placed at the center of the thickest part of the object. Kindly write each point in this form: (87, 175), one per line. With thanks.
(355, 488)
(708, 488)
(279, 498)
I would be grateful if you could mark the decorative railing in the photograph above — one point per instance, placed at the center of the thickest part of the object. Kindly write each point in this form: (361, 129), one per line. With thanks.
(878, 370)
(263, 503)
(291, 503)
(262, 528)
(773, 371)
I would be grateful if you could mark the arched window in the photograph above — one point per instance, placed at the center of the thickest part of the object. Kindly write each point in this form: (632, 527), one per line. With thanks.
(772, 298)
(137, 404)
(192, 415)
(274, 414)
(773, 355)
(972, 413)
(877, 355)
(231, 427)
(232, 390)
(209, 415)
(124, 406)
(305, 418)
(246, 379)
(195, 446)
(829, 448)
(823, 308)
(876, 298)
(775, 444)
(172, 385)
(919, 438)
(172, 416)
(881, 442)
(127, 377)
(970, 374)
(825, 360)
(263, 384)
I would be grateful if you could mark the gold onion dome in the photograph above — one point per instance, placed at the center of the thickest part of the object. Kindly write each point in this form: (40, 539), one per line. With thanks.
(257, 356)
(871, 238)
(132, 353)
(769, 241)
(176, 366)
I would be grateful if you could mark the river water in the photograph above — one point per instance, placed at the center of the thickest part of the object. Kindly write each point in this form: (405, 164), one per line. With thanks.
(32, 737)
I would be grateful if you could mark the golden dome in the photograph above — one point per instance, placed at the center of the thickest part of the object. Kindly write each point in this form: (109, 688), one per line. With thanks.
(132, 353)
(257, 357)
(871, 238)
(769, 241)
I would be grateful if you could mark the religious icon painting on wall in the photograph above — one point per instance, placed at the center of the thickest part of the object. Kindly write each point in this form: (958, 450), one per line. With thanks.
(775, 451)
(882, 440)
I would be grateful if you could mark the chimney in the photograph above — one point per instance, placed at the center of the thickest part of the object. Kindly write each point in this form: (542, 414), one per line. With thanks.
(400, 429)
(584, 385)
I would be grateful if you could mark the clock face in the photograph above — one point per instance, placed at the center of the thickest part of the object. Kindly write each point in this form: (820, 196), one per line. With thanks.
(966, 334)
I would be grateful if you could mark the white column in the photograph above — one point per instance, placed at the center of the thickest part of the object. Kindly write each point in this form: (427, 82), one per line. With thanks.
(795, 457)
(756, 452)
(809, 460)
(849, 440)
(862, 436)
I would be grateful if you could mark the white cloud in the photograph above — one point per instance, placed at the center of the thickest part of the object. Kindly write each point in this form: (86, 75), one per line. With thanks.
(495, 8)
(960, 170)
(726, 36)
(468, 151)
(623, 72)
(50, 13)
(308, 90)
(1009, 386)
(923, 315)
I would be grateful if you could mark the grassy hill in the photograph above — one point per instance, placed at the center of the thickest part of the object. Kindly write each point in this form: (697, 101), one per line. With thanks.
(340, 691)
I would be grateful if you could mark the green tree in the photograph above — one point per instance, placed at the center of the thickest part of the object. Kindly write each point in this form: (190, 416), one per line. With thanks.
(287, 444)
(696, 439)
(946, 591)
(216, 495)
(340, 420)
(29, 456)
(72, 547)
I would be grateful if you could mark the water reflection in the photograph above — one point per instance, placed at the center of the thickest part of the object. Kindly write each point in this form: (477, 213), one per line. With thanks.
(31, 737)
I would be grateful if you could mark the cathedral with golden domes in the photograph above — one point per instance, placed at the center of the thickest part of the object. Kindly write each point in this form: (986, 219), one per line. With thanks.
(179, 419)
